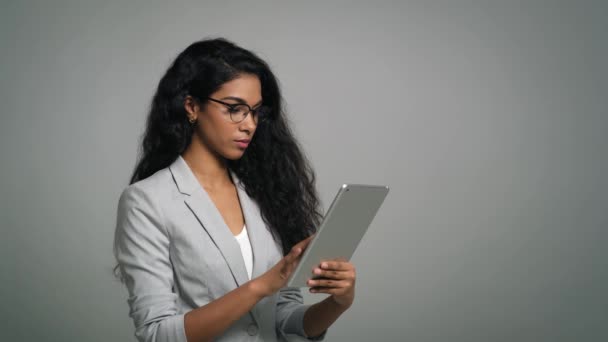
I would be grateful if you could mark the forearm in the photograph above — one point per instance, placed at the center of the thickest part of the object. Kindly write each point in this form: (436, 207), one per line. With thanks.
(208, 321)
(320, 316)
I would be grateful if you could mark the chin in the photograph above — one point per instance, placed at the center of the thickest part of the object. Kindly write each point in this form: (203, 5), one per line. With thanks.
(234, 155)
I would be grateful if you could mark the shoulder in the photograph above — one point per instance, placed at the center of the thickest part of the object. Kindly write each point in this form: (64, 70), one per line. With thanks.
(148, 192)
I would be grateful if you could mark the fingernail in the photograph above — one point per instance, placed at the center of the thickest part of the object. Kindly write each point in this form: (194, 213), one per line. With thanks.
(317, 271)
(324, 265)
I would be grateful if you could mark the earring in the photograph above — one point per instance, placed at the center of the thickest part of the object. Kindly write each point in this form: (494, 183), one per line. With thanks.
(192, 120)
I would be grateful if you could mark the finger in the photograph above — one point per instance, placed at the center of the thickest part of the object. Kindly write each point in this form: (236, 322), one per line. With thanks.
(304, 243)
(297, 250)
(336, 265)
(293, 255)
(329, 283)
(331, 274)
(290, 262)
(328, 290)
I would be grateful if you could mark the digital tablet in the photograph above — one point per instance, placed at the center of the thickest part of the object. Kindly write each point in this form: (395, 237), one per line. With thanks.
(342, 228)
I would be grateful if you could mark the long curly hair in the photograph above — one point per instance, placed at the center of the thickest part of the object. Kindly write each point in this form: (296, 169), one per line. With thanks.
(274, 170)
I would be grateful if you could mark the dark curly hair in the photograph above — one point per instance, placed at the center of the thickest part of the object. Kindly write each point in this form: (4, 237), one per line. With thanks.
(274, 170)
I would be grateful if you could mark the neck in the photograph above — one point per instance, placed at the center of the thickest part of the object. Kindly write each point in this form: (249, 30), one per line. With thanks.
(210, 168)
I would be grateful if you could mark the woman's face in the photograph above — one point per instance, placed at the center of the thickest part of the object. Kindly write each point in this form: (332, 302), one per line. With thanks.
(215, 128)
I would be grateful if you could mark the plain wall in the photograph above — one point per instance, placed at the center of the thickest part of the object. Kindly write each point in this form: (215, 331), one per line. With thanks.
(488, 120)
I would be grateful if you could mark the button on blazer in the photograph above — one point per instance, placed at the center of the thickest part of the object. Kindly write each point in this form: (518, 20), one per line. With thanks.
(176, 253)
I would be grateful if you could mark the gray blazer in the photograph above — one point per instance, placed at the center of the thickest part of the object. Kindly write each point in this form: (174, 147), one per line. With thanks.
(177, 254)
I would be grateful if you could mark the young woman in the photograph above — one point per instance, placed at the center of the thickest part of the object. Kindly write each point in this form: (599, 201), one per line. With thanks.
(219, 209)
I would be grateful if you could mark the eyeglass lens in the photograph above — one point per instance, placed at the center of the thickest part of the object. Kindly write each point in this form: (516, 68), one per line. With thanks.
(239, 112)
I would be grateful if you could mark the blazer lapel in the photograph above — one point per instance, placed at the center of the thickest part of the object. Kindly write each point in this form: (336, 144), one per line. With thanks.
(256, 228)
(210, 218)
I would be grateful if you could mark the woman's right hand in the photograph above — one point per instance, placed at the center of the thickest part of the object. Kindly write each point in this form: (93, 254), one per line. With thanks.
(275, 278)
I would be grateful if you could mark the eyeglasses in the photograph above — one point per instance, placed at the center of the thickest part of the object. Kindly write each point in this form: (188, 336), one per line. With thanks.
(239, 111)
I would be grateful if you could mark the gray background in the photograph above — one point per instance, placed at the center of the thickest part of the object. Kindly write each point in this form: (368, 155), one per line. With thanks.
(488, 119)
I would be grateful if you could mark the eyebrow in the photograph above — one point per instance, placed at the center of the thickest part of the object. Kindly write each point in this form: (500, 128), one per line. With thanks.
(240, 100)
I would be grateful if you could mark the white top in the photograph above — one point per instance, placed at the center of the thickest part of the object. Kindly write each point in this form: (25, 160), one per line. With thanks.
(243, 240)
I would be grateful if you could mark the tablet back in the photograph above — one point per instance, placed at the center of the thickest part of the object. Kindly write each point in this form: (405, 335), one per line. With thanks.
(343, 227)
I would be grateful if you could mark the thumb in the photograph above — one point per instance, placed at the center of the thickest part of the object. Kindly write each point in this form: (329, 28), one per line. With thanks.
(293, 254)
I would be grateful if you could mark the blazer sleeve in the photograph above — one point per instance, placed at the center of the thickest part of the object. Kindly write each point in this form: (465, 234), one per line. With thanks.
(290, 315)
(141, 247)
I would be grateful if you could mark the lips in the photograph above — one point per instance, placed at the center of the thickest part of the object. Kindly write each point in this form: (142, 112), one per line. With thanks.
(243, 143)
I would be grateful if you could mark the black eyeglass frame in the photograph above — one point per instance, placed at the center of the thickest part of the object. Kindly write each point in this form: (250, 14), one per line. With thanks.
(257, 118)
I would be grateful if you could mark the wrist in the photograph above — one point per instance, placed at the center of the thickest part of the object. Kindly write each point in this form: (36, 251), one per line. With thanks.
(256, 286)
(341, 304)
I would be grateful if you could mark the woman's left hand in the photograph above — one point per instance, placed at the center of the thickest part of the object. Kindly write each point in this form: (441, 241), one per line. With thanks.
(336, 277)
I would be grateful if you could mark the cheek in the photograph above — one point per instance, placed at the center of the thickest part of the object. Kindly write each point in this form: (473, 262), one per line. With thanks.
(217, 136)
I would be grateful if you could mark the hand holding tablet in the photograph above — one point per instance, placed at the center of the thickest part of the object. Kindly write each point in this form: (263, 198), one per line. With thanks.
(349, 215)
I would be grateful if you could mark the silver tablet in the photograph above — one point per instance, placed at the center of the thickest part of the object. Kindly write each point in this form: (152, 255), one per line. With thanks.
(343, 227)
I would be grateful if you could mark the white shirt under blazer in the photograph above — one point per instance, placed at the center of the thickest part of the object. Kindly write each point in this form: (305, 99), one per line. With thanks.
(243, 239)
(177, 254)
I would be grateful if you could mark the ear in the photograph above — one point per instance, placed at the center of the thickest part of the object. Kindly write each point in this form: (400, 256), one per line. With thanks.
(191, 106)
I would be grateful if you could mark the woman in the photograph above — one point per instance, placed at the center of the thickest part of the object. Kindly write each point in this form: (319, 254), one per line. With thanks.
(220, 207)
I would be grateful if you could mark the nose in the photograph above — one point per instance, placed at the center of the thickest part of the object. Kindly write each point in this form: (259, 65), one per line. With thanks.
(248, 124)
